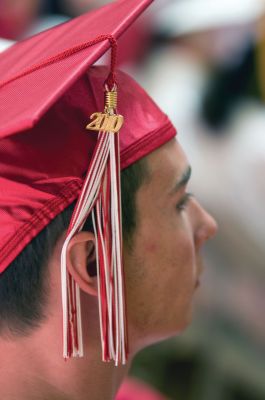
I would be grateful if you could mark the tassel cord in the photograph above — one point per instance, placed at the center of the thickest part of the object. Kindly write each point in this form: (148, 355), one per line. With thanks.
(90, 180)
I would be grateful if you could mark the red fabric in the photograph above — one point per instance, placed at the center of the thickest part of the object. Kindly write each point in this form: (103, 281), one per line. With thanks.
(42, 169)
(63, 55)
(34, 94)
(133, 389)
(44, 155)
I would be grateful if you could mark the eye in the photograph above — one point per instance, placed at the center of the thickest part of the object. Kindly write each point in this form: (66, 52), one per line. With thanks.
(184, 202)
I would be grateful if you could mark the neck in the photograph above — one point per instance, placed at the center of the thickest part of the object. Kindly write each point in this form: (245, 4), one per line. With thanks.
(28, 373)
(33, 367)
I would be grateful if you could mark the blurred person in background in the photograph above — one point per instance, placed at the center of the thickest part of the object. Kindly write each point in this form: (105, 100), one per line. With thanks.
(22, 18)
(16, 16)
(206, 71)
(78, 7)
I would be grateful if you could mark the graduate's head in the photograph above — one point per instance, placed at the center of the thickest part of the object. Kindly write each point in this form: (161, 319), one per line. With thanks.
(25, 284)
(163, 231)
(48, 161)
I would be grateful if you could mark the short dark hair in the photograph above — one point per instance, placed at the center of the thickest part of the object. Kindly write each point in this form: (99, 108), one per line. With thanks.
(24, 285)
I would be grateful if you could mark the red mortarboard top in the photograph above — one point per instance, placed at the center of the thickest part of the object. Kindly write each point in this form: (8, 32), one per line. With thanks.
(26, 100)
(45, 150)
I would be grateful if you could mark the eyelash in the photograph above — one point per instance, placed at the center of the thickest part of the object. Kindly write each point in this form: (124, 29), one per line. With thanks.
(181, 206)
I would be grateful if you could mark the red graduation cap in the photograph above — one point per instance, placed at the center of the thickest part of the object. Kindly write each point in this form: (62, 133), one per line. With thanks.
(48, 159)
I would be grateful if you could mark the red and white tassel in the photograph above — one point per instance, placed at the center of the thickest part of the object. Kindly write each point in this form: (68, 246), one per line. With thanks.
(100, 196)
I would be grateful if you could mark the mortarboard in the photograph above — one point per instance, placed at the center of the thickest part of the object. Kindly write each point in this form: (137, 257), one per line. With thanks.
(48, 159)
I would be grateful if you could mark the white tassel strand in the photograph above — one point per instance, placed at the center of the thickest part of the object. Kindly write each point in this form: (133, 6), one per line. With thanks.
(100, 197)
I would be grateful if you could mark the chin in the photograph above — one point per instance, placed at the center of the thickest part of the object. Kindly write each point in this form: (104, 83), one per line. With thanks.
(182, 324)
(140, 338)
(162, 335)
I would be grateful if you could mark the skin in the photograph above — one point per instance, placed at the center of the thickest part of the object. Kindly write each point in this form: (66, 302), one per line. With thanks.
(161, 270)
(164, 267)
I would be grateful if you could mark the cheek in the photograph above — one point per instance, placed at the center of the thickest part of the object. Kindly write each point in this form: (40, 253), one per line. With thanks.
(170, 245)
(185, 255)
(169, 265)
(180, 269)
(151, 247)
(174, 267)
(160, 275)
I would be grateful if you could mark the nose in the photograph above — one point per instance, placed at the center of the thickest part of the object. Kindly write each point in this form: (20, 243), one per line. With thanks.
(206, 226)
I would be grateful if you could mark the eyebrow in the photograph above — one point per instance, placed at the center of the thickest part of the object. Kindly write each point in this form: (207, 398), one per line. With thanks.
(185, 177)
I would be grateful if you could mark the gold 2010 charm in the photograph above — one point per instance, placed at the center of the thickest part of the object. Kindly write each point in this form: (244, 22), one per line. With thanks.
(105, 122)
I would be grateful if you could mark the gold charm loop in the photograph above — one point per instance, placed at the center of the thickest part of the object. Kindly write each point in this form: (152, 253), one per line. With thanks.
(107, 121)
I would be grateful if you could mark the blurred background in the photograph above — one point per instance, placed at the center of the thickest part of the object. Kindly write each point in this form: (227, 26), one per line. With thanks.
(203, 61)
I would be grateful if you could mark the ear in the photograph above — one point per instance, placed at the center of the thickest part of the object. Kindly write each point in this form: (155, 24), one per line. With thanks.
(81, 257)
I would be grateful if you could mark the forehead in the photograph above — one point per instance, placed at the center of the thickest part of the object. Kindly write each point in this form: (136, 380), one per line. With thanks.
(166, 165)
